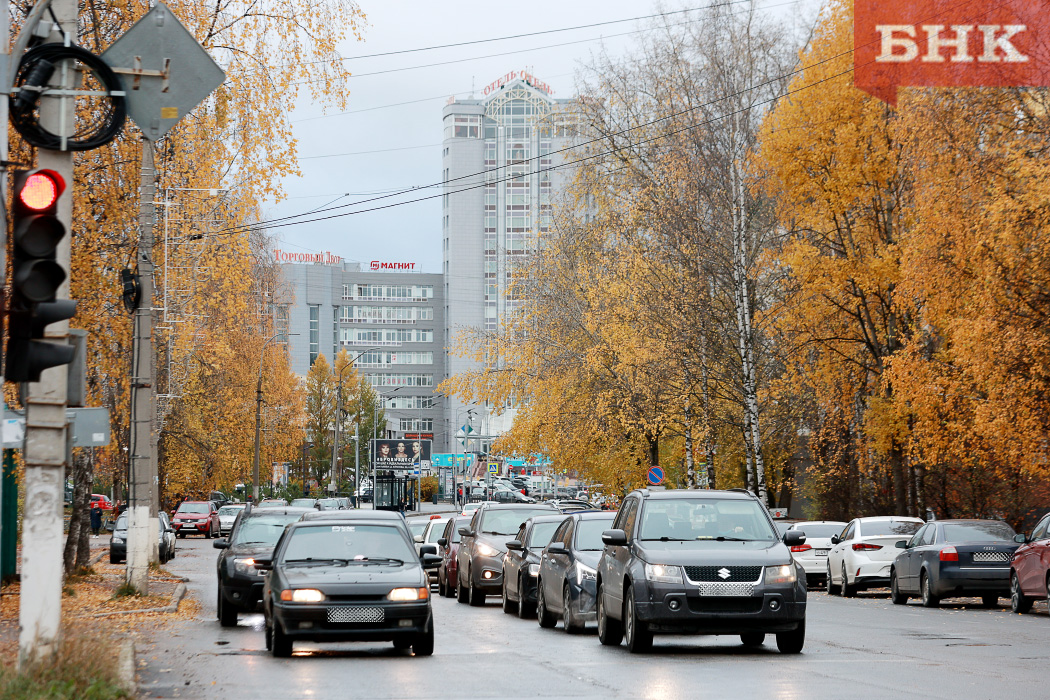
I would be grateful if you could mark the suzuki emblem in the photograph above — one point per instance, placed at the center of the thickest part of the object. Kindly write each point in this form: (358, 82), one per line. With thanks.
(724, 573)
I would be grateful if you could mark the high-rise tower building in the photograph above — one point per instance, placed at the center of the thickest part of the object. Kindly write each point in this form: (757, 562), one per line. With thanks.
(497, 200)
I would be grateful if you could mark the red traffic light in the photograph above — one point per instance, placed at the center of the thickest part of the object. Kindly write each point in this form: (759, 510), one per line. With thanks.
(41, 189)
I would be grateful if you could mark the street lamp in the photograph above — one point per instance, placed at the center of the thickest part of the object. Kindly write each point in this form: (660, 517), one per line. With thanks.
(258, 416)
(338, 418)
(466, 437)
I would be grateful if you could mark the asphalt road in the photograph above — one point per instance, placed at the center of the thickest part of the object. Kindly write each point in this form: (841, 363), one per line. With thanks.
(861, 648)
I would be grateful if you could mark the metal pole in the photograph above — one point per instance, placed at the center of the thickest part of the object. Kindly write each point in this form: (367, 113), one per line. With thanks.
(333, 484)
(258, 418)
(357, 461)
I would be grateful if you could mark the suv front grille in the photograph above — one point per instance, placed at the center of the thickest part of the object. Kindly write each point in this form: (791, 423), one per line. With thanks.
(718, 574)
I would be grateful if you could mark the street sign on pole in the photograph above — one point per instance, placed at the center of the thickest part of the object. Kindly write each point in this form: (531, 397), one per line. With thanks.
(656, 475)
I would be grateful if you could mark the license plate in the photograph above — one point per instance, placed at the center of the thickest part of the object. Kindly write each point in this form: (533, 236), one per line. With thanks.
(820, 552)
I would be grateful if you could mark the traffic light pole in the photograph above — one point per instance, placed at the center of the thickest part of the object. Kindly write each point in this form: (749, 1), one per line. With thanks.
(40, 606)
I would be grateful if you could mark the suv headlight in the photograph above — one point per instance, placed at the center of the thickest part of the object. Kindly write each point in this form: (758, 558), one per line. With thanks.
(585, 573)
(487, 551)
(534, 569)
(661, 573)
(780, 574)
(244, 566)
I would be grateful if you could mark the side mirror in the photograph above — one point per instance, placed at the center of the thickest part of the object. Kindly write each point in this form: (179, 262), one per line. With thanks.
(1021, 538)
(615, 538)
(430, 561)
(513, 544)
(557, 548)
(221, 544)
(901, 544)
(418, 539)
(443, 541)
(465, 531)
(428, 549)
(835, 539)
(264, 564)
(793, 538)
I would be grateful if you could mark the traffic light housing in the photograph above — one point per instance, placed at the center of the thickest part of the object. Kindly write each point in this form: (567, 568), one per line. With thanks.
(36, 277)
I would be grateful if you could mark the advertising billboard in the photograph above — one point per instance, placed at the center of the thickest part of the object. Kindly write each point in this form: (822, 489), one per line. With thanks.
(400, 453)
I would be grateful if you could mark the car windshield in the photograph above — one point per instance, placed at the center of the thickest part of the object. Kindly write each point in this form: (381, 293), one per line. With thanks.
(888, 527)
(349, 542)
(193, 508)
(228, 511)
(541, 534)
(303, 502)
(435, 532)
(263, 529)
(122, 523)
(507, 522)
(819, 530)
(589, 533)
(706, 519)
(991, 531)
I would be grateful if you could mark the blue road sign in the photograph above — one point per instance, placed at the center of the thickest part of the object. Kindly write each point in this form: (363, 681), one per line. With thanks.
(656, 476)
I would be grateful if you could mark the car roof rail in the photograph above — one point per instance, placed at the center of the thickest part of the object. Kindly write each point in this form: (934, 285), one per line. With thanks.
(739, 490)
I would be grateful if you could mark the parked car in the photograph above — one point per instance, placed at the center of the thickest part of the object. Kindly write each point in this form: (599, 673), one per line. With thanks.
(272, 503)
(953, 558)
(319, 565)
(699, 562)
(196, 517)
(813, 554)
(344, 502)
(569, 571)
(118, 542)
(510, 496)
(449, 542)
(521, 565)
(219, 497)
(328, 504)
(254, 535)
(417, 525)
(570, 505)
(103, 502)
(1030, 567)
(862, 554)
(227, 514)
(480, 567)
(303, 503)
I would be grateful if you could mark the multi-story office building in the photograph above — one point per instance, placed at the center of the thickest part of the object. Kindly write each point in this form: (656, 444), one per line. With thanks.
(393, 318)
(497, 152)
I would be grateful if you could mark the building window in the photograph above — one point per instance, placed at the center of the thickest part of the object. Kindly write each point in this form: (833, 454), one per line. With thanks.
(412, 425)
(315, 332)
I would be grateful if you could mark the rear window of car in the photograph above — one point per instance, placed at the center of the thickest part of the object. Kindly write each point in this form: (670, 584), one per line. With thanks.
(352, 542)
(542, 533)
(194, 508)
(435, 532)
(978, 532)
(263, 529)
(303, 503)
(507, 522)
(825, 530)
(888, 527)
(589, 533)
(417, 526)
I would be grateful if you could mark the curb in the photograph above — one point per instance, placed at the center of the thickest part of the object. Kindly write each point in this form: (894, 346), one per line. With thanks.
(176, 596)
(126, 667)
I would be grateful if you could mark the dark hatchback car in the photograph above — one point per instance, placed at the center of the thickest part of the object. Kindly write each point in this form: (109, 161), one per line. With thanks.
(521, 564)
(954, 558)
(480, 557)
(349, 580)
(449, 542)
(254, 534)
(569, 571)
(1030, 568)
(699, 562)
(118, 543)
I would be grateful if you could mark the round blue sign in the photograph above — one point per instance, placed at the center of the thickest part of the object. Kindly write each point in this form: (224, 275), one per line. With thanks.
(656, 476)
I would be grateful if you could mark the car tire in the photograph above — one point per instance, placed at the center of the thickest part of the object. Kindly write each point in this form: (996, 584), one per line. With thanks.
(1019, 602)
(847, 590)
(509, 606)
(543, 615)
(896, 597)
(450, 590)
(990, 601)
(441, 586)
(610, 631)
(462, 594)
(829, 585)
(423, 645)
(403, 643)
(568, 618)
(753, 639)
(281, 644)
(113, 558)
(179, 534)
(477, 596)
(636, 632)
(525, 609)
(793, 641)
(268, 637)
(929, 600)
(227, 613)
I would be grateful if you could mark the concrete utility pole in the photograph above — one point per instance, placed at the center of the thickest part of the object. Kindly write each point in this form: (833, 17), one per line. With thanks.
(144, 496)
(40, 608)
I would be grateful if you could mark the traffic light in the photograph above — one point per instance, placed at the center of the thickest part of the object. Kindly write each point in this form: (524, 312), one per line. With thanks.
(36, 277)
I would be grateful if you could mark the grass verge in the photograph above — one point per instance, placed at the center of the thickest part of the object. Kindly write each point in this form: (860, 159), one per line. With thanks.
(82, 668)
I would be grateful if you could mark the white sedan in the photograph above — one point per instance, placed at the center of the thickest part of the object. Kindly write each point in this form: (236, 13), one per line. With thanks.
(813, 555)
(860, 557)
(227, 514)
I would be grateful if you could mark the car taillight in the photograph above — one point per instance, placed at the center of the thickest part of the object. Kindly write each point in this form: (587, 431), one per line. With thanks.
(801, 548)
(949, 554)
(865, 547)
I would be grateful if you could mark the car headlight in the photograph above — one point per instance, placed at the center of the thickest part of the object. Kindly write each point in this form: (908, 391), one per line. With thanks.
(661, 573)
(780, 574)
(487, 551)
(585, 573)
(534, 569)
(408, 594)
(302, 595)
(244, 566)
(116, 540)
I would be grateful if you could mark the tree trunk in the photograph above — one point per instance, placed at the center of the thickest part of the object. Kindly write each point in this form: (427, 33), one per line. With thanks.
(690, 465)
(77, 552)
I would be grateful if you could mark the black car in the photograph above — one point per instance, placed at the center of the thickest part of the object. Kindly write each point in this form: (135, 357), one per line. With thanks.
(699, 562)
(118, 543)
(480, 559)
(347, 580)
(569, 571)
(951, 558)
(254, 534)
(521, 564)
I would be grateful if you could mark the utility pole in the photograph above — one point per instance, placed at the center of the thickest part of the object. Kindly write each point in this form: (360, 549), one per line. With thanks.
(357, 459)
(40, 607)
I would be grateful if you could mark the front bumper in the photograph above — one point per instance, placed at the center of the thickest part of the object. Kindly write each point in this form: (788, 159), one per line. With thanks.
(243, 592)
(311, 622)
(487, 572)
(768, 609)
(583, 599)
(190, 527)
(971, 580)
(118, 549)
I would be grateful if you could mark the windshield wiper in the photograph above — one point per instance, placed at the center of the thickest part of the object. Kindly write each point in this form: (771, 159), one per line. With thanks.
(311, 560)
(375, 560)
(722, 538)
(668, 539)
(253, 543)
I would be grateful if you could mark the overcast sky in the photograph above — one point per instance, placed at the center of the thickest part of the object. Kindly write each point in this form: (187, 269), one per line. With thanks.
(379, 120)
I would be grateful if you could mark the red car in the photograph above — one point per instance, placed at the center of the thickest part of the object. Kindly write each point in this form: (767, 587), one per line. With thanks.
(196, 517)
(449, 544)
(103, 502)
(1030, 568)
